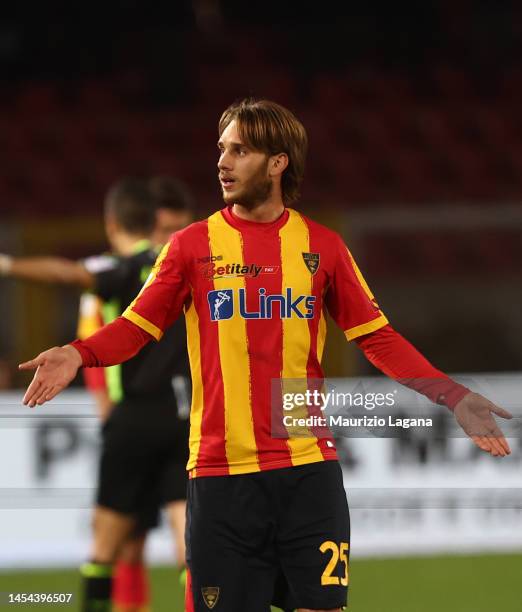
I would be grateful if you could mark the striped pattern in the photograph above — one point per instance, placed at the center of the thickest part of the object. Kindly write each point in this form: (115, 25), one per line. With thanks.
(374, 324)
(236, 360)
(295, 241)
(241, 449)
(194, 351)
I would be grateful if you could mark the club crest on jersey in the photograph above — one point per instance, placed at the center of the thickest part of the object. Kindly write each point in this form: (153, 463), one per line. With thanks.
(222, 305)
(210, 596)
(312, 261)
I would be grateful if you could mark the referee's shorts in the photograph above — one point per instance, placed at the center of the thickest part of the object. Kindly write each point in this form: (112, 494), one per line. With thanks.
(143, 460)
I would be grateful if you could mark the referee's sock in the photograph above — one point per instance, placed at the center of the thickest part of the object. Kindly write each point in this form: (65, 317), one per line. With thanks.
(130, 587)
(97, 587)
(182, 576)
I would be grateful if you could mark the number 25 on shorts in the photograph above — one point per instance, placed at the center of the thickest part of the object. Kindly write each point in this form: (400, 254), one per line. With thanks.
(338, 553)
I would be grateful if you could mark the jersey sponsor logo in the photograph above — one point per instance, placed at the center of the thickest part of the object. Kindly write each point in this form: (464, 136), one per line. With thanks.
(210, 596)
(212, 270)
(312, 261)
(209, 258)
(222, 305)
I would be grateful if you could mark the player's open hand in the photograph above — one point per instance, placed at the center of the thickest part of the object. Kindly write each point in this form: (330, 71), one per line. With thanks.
(55, 369)
(474, 413)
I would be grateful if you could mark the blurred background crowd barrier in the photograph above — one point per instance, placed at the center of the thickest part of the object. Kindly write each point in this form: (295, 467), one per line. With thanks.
(411, 492)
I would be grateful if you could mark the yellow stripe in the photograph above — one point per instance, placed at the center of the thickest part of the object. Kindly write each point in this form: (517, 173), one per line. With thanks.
(241, 448)
(370, 326)
(366, 328)
(196, 410)
(89, 320)
(137, 319)
(359, 276)
(296, 334)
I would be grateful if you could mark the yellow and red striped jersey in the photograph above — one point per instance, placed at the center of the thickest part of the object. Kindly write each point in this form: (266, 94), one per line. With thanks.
(255, 297)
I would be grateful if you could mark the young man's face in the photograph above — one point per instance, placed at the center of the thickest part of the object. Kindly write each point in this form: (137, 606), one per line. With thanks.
(243, 172)
(168, 222)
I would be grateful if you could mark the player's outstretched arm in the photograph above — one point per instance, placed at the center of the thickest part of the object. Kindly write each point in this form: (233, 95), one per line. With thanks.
(474, 413)
(352, 306)
(112, 344)
(55, 369)
(397, 358)
(46, 270)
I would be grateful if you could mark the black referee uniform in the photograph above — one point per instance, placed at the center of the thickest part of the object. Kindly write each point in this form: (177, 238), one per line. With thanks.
(145, 438)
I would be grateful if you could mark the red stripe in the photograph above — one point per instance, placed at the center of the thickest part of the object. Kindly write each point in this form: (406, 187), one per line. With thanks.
(314, 371)
(189, 596)
(130, 585)
(262, 333)
(212, 449)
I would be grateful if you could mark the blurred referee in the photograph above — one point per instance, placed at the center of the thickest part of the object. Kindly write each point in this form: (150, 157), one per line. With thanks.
(145, 430)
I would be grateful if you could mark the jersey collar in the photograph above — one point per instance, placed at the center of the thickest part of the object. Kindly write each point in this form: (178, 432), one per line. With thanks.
(243, 224)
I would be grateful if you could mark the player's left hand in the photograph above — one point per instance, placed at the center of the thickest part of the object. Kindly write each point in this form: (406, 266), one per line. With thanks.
(474, 413)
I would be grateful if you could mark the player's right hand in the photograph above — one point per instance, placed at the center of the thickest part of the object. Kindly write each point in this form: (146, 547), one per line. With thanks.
(55, 369)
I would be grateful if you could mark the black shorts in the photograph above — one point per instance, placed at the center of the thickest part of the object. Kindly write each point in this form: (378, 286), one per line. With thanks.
(277, 537)
(143, 461)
